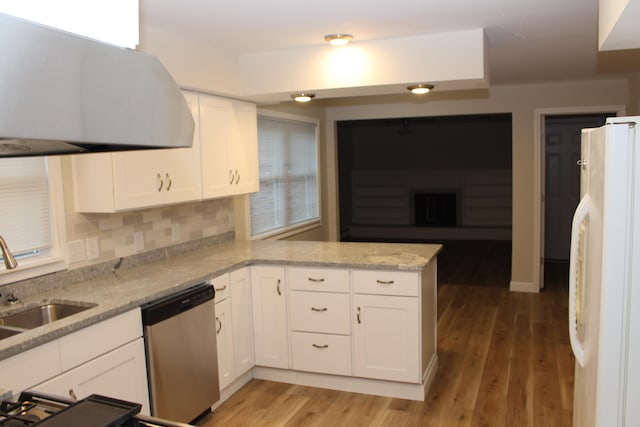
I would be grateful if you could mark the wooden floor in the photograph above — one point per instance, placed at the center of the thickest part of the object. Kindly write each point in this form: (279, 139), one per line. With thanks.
(504, 360)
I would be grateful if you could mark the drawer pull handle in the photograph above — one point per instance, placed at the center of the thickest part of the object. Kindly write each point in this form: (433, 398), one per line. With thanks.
(221, 289)
(358, 315)
(72, 394)
(219, 325)
(278, 288)
(311, 279)
(319, 309)
(320, 346)
(384, 282)
(169, 182)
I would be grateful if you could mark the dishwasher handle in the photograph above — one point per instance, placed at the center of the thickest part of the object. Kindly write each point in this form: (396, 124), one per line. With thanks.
(174, 304)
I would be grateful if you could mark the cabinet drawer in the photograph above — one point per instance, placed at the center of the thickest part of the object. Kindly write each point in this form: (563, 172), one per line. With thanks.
(318, 279)
(221, 284)
(327, 354)
(319, 312)
(386, 282)
(98, 339)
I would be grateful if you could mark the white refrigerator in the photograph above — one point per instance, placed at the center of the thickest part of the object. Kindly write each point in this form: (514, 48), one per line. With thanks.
(604, 277)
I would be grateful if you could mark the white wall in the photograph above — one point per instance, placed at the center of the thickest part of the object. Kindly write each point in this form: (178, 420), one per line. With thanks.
(192, 64)
(521, 101)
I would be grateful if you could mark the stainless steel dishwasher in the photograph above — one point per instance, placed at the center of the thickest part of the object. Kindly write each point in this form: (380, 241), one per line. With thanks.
(182, 364)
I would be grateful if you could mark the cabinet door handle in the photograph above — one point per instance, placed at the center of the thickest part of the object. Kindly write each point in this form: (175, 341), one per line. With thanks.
(311, 279)
(221, 289)
(169, 182)
(219, 325)
(72, 394)
(385, 282)
(358, 315)
(320, 346)
(160, 182)
(237, 176)
(231, 176)
(278, 288)
(319, 309)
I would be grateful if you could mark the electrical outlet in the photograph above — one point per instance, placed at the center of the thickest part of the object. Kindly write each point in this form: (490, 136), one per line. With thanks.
(138, 239)
(175, 232)
(76, 251)
(93, 248)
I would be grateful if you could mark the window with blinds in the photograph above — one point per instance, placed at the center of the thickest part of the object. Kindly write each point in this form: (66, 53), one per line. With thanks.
(288, 159)
(30, 202)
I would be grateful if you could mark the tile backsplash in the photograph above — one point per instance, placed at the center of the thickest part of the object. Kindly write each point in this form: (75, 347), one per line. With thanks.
(124, 234)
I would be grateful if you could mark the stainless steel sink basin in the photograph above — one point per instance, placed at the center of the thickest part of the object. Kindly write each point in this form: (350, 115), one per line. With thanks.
(43, 314)
(6, 333)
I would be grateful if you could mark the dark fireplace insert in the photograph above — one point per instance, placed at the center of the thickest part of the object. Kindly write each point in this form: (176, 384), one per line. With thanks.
(435, 209)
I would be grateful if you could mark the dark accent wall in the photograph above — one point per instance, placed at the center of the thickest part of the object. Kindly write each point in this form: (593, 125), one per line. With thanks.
(383, 163)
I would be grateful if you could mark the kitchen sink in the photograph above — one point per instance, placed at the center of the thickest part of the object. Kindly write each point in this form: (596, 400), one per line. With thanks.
(33, 317)
(6, 333)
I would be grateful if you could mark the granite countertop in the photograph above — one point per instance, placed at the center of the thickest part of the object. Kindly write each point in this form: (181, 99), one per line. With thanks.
(125, 289)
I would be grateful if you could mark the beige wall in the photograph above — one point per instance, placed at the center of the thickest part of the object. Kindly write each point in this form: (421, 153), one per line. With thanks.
(633, 104)
(192, 64)
(522, 101)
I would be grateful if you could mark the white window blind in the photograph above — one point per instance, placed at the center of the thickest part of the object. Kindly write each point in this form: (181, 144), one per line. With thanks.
(288, 195)
(25, 220)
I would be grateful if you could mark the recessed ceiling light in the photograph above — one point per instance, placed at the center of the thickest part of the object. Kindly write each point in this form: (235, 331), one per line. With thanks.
(338, 39)
(303, 97)
(420, 89)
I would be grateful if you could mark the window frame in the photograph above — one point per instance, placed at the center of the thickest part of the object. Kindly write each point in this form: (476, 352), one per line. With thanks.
(291, 230)
(55, 259)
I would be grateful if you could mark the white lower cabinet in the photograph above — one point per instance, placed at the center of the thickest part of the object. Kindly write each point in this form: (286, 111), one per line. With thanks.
(224, 334)
(320, 320)
(270, 316)
(234, 326)
(322, 353)
(386, 341)
(120, 373)
(107, 358)
(242, 320)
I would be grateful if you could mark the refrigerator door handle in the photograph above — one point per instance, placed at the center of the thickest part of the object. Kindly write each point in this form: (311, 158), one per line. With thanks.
(578, 218)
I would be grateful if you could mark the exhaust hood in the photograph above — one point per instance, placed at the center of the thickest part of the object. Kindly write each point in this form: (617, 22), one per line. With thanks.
(65, 94)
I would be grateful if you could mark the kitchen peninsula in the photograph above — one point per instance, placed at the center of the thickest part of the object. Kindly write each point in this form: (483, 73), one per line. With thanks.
(349, 316)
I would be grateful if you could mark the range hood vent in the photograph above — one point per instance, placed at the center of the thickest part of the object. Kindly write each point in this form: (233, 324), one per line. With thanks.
(65, 94)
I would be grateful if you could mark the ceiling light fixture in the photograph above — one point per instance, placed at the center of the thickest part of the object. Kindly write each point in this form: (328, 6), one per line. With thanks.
(420, 89)
(338, 39)
(303, 97)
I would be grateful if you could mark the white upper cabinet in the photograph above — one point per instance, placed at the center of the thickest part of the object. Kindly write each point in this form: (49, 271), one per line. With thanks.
(111, 21)
(229, 146)
(222, 162)
(112, 182)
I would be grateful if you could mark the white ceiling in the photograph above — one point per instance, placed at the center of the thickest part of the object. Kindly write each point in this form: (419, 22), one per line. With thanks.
(528, 40)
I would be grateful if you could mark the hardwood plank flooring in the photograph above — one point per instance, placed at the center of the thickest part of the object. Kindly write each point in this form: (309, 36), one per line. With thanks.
(504, 360)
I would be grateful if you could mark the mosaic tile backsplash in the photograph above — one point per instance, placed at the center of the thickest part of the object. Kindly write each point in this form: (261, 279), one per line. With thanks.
(124, 234)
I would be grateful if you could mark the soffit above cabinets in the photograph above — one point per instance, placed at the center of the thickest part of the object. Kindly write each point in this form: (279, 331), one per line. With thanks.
(450, 61)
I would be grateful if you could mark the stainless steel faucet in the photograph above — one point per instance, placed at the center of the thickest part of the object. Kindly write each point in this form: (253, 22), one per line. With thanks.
(9, 261)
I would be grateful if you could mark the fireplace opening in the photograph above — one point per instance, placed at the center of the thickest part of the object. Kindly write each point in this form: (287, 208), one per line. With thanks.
(435, 209)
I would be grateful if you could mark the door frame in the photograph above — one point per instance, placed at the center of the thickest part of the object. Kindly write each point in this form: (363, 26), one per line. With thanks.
(539, 176)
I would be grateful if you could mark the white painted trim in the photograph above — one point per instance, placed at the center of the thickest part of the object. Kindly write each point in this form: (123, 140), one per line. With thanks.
(410, 391)
(532, 287)
(539, 146)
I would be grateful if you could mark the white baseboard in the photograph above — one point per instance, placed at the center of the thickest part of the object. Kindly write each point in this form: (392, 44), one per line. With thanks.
(524, 287)
(350, 384)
